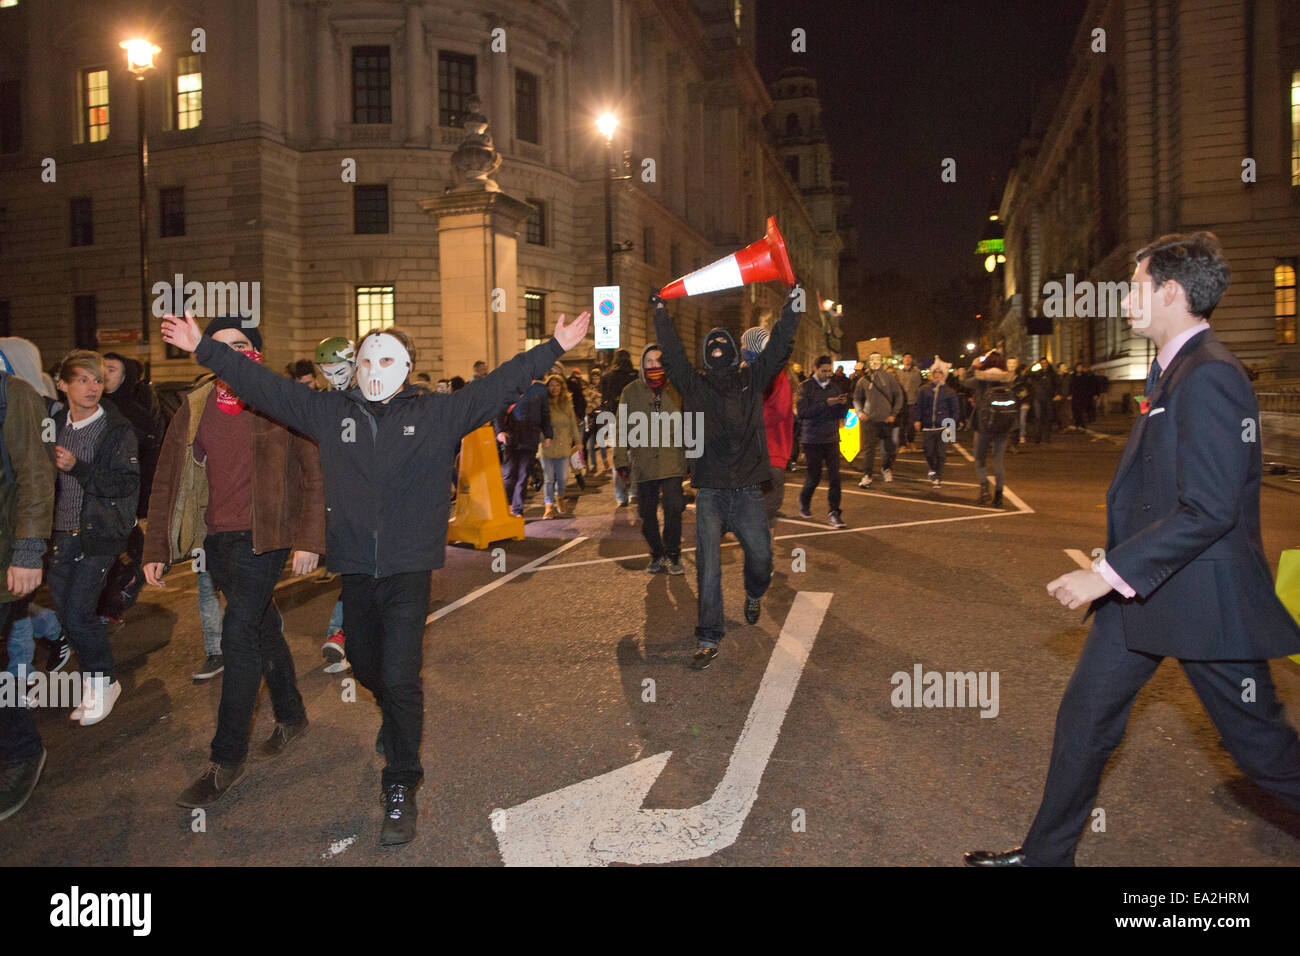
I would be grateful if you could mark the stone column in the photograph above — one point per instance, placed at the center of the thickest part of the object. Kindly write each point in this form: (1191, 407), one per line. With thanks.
(325, 120)
(482, 301)
(417, 92)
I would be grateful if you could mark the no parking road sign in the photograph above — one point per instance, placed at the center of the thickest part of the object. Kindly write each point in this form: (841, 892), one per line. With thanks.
(606, 311)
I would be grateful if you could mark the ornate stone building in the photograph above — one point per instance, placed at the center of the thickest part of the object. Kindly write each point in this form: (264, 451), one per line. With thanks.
(301, 144)
(1176, 116)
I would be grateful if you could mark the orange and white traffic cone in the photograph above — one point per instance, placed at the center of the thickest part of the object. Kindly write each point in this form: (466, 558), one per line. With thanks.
(760, 261)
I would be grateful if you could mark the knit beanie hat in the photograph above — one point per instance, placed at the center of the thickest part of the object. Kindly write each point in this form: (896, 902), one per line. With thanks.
(235, 322)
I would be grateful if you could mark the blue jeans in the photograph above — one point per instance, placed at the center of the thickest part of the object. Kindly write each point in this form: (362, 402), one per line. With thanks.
(19, 739)
(717, 511)
(983, 442)
(209, 615)
(76, 581)
(336, 619)
(556, 472)
(30, 622)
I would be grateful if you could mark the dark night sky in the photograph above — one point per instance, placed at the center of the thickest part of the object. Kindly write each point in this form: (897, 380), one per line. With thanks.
(904, 85)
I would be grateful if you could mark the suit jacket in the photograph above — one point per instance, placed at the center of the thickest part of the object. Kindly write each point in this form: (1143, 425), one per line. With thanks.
(1182, 518)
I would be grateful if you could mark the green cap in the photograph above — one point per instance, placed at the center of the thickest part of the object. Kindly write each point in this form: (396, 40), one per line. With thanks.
(333, 350)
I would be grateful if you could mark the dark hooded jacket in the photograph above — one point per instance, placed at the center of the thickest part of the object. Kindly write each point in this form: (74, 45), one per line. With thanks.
(138, 402)
(616, 378)
(735, 440)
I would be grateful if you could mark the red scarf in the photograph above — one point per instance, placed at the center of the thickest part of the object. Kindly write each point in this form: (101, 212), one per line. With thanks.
(228, 401)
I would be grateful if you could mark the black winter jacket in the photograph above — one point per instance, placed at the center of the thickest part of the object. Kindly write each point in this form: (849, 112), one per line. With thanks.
(387, 468)
(735, 437)
(821, 421)
(110, 485)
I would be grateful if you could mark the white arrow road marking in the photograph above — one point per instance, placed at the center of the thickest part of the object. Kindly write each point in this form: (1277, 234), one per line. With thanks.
(600, 821)
(1079, 558)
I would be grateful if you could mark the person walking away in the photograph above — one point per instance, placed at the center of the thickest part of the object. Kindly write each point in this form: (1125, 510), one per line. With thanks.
(878, 400)
(1045, 389)
(1020, 388)
(521, 428)
(778, 422)
(655, 468)
(556, 450)
(244, 493)
(994, 417)
(734, 462)
(822, 405)
(937, 410)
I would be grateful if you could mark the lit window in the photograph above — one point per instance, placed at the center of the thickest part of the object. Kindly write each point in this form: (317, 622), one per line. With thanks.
(94, 98)
(534, 318)
(1284, 315)
(374, 308)
(1295, 128)
(189, 92)
(8, 3)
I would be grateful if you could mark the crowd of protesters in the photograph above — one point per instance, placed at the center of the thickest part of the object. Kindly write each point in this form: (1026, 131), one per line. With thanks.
(236, 480)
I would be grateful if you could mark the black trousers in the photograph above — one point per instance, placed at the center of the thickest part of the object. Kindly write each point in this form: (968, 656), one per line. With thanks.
(515, 472)
(819, 455)
(669, 544)
(1094, 712)
(252, 641)
(384, 621)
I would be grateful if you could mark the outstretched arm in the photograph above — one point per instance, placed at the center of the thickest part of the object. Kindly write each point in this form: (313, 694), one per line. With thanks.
(478, 402)
(293, 403)
(677, 365)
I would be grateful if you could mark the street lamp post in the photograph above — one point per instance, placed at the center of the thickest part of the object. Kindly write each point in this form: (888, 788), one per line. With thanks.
(139, 60)
(607, 123)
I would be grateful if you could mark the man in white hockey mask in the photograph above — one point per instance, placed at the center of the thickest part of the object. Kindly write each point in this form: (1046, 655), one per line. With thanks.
(383, 365)
(386, 451)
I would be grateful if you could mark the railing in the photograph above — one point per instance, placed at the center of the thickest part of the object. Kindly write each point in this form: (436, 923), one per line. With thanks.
(1279, 420)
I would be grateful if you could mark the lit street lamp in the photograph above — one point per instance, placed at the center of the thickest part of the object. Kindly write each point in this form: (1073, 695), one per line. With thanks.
(607, 123)
(139, 60)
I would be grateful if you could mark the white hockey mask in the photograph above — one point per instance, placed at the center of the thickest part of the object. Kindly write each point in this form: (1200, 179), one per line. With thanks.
(382, 367)
(338, 374)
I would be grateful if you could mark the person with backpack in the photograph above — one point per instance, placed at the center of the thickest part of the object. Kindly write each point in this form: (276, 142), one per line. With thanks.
(996, 414)
(878, 399)
(94, 511)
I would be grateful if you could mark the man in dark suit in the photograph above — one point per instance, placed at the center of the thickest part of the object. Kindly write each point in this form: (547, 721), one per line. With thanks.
(1184, 573)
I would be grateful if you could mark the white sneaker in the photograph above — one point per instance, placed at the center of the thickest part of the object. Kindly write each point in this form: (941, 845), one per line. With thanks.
(865, 482)
(889, 474)
(930, 475)
(98, 704)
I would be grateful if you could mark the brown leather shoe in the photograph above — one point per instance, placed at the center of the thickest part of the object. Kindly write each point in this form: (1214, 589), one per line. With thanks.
(214, 784)
(280, 739)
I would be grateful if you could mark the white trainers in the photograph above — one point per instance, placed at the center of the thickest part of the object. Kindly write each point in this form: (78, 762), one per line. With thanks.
(865, 482)
(889, 474)
(97, 700)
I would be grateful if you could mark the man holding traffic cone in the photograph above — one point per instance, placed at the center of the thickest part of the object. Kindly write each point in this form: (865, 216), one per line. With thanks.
(733, 468)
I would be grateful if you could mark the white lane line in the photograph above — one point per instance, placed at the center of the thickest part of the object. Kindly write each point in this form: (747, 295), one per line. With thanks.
(1079, 558)
(919, 501)
(1015, 498)
(493, 585)
(787, 537)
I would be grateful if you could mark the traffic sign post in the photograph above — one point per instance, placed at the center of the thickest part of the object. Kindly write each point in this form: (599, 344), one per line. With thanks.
(606, 311)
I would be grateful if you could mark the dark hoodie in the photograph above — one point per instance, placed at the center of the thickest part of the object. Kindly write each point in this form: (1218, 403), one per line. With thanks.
(731, 397)
(138, 402)
(616, 378)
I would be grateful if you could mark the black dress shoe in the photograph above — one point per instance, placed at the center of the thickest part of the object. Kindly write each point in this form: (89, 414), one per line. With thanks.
(1014, 857)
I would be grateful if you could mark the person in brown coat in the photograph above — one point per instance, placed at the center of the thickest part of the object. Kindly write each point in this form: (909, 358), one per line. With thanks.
(241, 490)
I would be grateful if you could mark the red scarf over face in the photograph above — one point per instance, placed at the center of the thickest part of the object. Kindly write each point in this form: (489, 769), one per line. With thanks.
(655, 377)
(227, 401)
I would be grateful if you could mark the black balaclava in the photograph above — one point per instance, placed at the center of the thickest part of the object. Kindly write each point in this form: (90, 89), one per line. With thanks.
(720, 338)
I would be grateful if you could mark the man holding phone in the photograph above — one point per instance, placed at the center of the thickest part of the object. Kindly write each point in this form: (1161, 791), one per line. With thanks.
(822, 405)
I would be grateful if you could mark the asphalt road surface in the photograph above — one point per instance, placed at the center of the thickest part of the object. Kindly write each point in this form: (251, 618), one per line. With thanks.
(576, 668)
